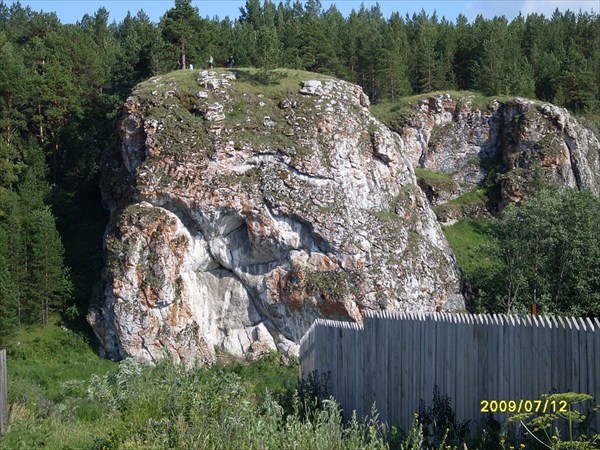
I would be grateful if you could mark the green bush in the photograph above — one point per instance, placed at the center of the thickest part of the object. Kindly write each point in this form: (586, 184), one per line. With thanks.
(570, 412)
(62, 396)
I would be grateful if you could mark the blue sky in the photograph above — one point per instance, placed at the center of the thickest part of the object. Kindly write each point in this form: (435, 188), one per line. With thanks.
(70, 11)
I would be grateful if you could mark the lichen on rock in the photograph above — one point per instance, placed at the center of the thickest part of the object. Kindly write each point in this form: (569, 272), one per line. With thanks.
(234, 227)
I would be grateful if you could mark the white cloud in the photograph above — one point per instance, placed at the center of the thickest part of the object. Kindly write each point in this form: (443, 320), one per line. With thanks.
(548, 7)
(511, 8)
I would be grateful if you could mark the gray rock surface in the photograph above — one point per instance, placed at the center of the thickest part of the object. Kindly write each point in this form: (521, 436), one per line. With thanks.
(526, 144)
(234, 234)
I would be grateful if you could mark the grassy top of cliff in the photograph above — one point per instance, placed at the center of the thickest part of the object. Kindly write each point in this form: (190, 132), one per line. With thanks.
(391, 112)
(249, 81)
(179, 101)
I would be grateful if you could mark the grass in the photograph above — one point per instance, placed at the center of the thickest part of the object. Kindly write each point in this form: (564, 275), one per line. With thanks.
(46, 358)
(185, 81)
(468, 238)
(63, 396)
(172, 99)
(437, 180)
(48, 369)
(470, 198)
(287, 81)
(89, 403)
(397, 113)
(467, 205)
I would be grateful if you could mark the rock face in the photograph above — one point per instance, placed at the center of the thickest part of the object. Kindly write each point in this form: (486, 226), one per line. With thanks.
(509, 148)
(241, 214)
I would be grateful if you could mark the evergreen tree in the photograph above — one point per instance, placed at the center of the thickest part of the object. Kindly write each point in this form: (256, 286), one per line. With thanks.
(61, 87)
(289, 28)
(139, 48)
(267, 52)
(464, 55)
(428, 71)
(14, 84)
(396, 83)
(502, 68)
(318, 38)
(446, 47)
(577, 82)
(13, 248)
(8, 297)
(50, 286)
(183, 29)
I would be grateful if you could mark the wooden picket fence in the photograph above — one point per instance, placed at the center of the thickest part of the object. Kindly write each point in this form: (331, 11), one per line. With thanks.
(394, 360)
(3, 393)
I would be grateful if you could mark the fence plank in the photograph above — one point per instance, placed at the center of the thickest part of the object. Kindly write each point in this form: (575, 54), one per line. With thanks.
(3, 394)
(396, 360)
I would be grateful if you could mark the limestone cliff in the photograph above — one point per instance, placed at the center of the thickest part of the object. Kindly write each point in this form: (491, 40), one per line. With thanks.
(493, 151)
(240, 213)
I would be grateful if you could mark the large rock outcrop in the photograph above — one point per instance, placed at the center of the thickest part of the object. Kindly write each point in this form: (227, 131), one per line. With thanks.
(495, 152)
(241, 213)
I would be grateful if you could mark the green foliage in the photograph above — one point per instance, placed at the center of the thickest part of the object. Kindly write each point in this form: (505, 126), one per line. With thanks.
(414, 439)
(63, 396)
(268, 51)
(549, 252)
(184, 30)
(468, 239)
(564, 424)
(61, 88)
(313, 389)
(439, 424)
(471, 244)
(544, 251)
(9, 301)
(471, 204)
(438, 180)
(49, 286)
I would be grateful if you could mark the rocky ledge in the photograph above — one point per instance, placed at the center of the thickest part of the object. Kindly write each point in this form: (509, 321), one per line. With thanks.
(240, 213)
(475, 155)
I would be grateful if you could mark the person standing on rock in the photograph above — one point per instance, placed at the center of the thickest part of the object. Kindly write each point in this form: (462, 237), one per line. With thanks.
(210, 62)
(230, 62)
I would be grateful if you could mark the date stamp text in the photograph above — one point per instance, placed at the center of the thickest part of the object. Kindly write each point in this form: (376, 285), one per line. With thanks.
(523, 406)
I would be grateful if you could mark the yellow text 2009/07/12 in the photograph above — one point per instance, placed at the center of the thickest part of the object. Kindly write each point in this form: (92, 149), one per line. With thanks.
(527, 406)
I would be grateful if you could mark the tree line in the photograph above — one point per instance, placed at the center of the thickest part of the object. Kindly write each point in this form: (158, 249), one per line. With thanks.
(61, 87)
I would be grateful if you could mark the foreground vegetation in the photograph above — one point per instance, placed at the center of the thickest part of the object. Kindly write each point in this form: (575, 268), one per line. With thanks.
(63, 396)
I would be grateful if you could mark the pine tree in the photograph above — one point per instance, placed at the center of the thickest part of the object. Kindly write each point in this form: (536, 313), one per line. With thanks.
(139, 47)
(317, 44)
(13, 248)
(8, 299)
(50, 286)
(183, 29)
(578, 82)
(428, 71)
(397, 83)
(268, 52)
(14, 85)
(464, 54)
